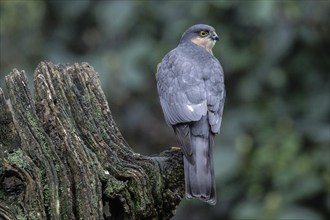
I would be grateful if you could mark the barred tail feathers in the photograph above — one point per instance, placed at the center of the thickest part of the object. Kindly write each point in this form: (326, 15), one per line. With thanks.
(196, 141)
(199, 177)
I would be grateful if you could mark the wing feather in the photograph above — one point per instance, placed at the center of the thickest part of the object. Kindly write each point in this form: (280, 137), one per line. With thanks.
(189, 90)
(216, 95)
(182, 97)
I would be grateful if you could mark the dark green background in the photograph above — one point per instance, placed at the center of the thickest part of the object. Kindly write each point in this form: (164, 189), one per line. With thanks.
(272, 156)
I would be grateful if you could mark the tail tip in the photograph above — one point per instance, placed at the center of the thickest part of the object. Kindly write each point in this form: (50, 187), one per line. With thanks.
(209, 200)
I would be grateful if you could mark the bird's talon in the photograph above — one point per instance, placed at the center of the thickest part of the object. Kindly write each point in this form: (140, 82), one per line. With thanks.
(175, 148)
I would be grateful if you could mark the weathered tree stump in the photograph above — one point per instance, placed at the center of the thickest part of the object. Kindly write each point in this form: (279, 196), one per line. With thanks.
(63, 157)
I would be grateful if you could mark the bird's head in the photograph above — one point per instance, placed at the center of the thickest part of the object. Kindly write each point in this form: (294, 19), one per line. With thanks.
(202, 35)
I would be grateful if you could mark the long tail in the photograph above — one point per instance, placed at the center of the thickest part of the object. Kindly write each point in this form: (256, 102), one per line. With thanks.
(198, 160)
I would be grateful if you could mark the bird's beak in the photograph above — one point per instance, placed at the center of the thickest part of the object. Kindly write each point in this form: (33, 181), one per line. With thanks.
(215, 36)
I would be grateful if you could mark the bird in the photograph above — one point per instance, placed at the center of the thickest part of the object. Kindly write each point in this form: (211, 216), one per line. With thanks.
(190, 85)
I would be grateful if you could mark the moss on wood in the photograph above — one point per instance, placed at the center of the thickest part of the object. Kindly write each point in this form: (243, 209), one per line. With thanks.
(63, 157)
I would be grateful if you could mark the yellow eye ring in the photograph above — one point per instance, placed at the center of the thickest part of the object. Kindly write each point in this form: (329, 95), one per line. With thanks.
(203, 33)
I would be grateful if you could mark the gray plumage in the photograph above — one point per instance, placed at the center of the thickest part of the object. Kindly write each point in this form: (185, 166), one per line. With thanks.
(191, 89)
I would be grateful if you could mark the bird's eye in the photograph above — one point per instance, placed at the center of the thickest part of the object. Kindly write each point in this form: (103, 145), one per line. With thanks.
(203, 33)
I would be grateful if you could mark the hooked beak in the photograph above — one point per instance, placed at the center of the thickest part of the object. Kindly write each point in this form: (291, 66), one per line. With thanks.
(215, 36)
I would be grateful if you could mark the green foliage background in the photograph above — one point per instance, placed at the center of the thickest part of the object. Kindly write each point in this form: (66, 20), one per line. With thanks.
(272, 156)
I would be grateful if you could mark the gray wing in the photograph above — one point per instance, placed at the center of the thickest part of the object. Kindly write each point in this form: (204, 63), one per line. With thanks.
(189, 91)
(181, 89)
(216, 94)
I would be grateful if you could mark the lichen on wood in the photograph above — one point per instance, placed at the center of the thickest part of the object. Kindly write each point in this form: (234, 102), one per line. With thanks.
(63, 157)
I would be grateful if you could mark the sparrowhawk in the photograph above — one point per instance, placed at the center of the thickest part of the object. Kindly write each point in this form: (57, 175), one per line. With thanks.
(191, 89)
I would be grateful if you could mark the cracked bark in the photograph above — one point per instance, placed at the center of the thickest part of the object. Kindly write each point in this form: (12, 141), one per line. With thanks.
(63, 157)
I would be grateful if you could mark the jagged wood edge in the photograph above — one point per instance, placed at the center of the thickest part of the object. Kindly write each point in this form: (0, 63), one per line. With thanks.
(68, 92)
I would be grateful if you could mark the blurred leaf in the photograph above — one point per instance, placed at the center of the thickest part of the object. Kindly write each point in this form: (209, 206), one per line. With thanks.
(247, 210)
(225, 162)
(295, 212)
